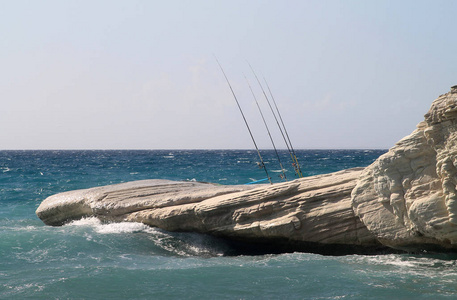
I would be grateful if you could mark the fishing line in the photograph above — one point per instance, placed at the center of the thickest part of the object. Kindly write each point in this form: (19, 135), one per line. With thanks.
(284, 126)
(294, 160)
(268, 130)
(245, 121)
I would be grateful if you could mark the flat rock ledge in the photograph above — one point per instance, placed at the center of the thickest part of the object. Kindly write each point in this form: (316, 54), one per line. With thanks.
(406, 200)
(304, 214)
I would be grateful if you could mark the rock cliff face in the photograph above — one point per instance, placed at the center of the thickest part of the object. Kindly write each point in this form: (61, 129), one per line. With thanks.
(407, 199)
(408, 196)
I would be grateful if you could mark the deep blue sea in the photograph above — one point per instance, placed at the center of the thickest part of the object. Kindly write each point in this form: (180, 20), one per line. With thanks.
(89, 260)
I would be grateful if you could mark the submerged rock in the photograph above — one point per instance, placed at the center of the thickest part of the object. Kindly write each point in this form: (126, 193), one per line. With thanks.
(407, 199)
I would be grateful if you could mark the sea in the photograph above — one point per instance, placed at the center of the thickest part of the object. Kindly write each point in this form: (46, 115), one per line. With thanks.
(87, 259)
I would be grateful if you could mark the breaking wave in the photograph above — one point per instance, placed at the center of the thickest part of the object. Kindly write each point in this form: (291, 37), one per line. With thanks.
(181, 244)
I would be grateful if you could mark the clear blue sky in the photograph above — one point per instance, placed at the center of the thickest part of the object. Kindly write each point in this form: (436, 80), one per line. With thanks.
(141, 74)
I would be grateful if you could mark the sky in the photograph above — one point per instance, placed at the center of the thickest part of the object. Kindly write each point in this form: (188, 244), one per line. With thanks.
(143, 75)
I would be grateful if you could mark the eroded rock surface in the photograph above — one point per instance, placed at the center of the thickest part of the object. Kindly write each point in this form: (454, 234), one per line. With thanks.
(114, 202)
(308, 210)
(407, 197)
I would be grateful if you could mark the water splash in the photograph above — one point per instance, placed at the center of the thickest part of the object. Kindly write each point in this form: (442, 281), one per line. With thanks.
(181, 244)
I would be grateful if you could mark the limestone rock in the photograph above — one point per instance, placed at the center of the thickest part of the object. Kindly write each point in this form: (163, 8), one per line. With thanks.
(408, 197)
(308, 210)
(112, 202)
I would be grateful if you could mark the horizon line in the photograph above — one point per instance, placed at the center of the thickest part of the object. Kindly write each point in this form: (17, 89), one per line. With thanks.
(185, 149)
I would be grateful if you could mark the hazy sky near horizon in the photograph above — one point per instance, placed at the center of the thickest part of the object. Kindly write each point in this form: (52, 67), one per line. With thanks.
(142, 75)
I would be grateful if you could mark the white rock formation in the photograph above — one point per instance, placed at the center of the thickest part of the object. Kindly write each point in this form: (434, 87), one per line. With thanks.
(407, 199)
(293, 215)
(113, 202)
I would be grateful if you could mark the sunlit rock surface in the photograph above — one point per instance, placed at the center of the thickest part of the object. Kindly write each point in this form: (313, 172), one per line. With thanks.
(114, 202)
(407, 199)
(295, 215)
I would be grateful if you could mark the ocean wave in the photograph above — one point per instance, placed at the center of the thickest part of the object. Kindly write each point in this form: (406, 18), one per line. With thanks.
(107, 228)
(188, 244)
(181, 244)
(278, 171)
(170, 155)
(430, 267)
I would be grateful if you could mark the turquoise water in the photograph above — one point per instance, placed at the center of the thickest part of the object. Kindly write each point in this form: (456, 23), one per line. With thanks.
(90, 260)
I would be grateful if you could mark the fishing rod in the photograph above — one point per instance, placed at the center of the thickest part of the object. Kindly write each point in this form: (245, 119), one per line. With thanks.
(262, 164)
(294, 161)
(285, 130)
(268, 130)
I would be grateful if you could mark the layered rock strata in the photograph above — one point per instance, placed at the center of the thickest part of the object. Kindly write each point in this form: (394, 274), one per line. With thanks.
(407, 199)
(295, 214)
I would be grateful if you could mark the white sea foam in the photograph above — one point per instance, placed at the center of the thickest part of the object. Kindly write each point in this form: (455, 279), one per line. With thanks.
(179, 244)
(243, 161)
(34, 255)
(414, 266)
(122, 227)
(27, 228)
(21, 288)
(189, 244)
(85, 222)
